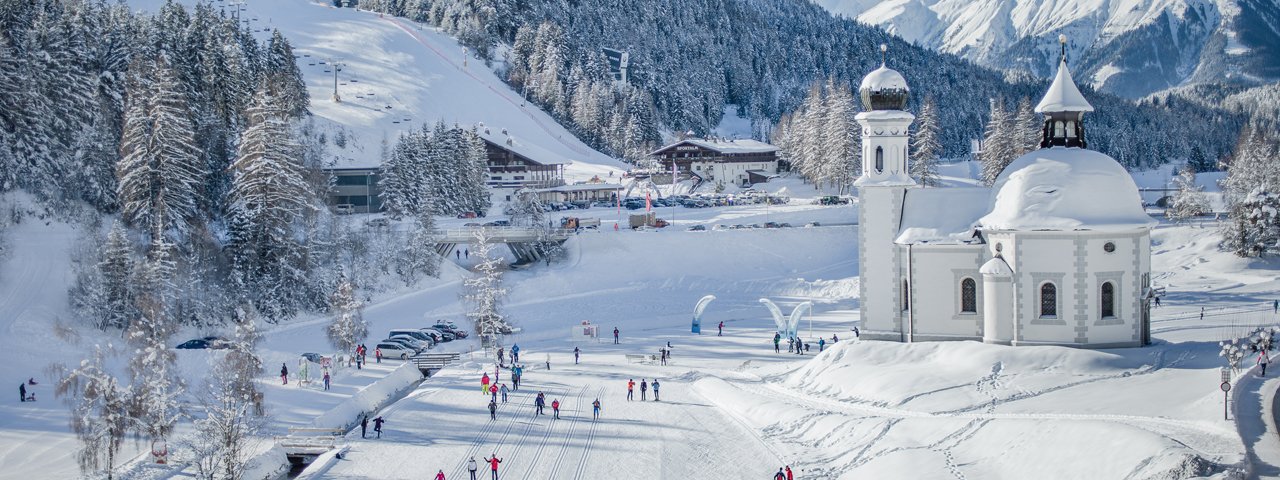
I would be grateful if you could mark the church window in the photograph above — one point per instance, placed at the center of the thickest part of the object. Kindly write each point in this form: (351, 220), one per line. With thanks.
(879, 159)
(968, 296)
(1048, 300)
(906, 296)
(1071, 129)
(1059, 130)
(1108, 300)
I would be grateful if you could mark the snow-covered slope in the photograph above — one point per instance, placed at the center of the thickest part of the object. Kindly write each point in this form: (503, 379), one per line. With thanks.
(1127, 47)
(396, 75)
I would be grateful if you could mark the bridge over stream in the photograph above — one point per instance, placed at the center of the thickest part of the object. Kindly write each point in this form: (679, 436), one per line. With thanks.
(529, 245)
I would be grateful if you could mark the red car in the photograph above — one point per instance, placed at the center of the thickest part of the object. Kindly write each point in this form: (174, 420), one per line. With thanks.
(467, 215)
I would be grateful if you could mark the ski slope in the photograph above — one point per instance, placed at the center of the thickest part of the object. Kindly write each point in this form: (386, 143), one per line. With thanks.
(397, 75)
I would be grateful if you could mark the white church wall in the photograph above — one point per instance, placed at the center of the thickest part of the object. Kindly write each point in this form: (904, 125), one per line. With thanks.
(878, 262)
(936, 275)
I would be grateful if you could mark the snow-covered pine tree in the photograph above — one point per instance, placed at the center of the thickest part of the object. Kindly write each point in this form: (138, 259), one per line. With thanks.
(418, 255)
(1027, 129)
(998, 143)
(282, 72)
(839, 139)
(472, 172)
(99, 413)
(1258, 224)
(268, 197)
(347, 327)
(402, 179)
(157, 388)
(1250, 176)
(925, 146)
(1189, 201)
(116, 273)
(808, 135)
(783, 137)
(484, 290)
(159, 171)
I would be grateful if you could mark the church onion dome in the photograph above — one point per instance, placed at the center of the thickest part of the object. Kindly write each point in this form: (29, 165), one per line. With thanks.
(884, 89)
(996, 267)
(1063, 107)
(1065, 189)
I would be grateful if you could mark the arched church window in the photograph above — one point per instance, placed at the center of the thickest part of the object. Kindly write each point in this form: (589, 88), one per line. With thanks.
(879, 159)
(1108, 300)
(1071, 129)
(968, 296)
(1048, 300)
(906, 296)
(1059, 130)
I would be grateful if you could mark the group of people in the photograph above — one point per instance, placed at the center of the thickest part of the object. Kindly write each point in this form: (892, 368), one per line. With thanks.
(644, 389)
(361, 352)
(797, 346)
(22, 391)
(377, 425)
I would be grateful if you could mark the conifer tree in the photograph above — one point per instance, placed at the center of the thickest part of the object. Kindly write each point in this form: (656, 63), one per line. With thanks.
(285, 78)
(1189, 201)
(1026, 129)
(998, 143)
(840, 159)
(347, 327)
(484, 290)
(925, 147)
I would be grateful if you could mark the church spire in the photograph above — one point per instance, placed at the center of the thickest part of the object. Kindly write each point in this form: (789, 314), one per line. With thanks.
(1063, 107)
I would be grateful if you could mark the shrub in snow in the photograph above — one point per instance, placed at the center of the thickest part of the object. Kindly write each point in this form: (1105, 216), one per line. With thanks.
(224, 439)
(348, 327)
(1190, 200)
(1232, 352)
(99, 413)
(484, 290)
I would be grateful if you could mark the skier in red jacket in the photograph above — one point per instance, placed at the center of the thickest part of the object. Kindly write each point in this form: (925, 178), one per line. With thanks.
(493, 465)
(789, 477)
(440, 475)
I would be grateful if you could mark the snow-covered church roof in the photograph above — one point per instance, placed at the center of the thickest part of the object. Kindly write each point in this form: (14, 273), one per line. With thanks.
(941, 215)
(883, 78)
(1065, 189)
(1063, 95)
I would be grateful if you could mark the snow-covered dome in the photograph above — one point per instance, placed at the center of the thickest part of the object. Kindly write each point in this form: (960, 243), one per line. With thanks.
(884, 89)
(1063, 95)
(996, 267)
(1065, 189)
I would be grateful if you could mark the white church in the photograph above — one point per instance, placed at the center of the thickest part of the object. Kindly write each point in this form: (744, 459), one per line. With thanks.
(1056, 252)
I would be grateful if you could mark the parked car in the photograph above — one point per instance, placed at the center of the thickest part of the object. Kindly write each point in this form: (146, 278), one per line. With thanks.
(439, 335)
(395, 350)
(471, 224)
(414, 333)
(313, 357)
(196, 344)
(772, 225)
(720, 227)
(406, 341)
(378, 223)
(450, 328)
(417, 343)
(698, 228)
(812, 224)
(467, 215)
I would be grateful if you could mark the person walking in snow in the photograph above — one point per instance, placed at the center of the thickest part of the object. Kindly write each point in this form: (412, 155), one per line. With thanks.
(822, 343)
(780, 475)
(777, 341)
(377, 426)
(515, 353)
(471, 467)
(615, 335)
(504, 392)
(484, 383)
(595, 409)
(284, 374)
(631, 389)
(458, 255)
(440, 475)
(501, 356)
(720, 329)
(377, 354)
(326, 380)
(644, 387)
(540, 402)
(364, 425)
(1275, 306)
(515, 381)
(493, 410)
(789, 476)
(1263, 360)
(575, 355)
(548, 361)
(834, 338)
(493, 465)
(555, 409)
(655, 389)
(22, 392)
(791, 344)
(493, 391)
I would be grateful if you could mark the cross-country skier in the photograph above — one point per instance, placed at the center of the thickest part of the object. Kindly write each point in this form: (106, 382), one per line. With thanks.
(575, 355)
(615, 335)
(789, 476)
(377, 426)
(284, 374)
(515, 353)
(501, 356)
(655, 389)
(540, 402)
(780, 475)
(644, 387)
(548, 361)
(595, 409)
(777, 339)
(493, 465)
(484, 383)
(631, 389)
(440, 475)
(1263, 360)
(822, 343)
(22, 392)
(504, 392)
(555, 409)
(493, 390)
(493, 410)
(720, 333)
(471, 467)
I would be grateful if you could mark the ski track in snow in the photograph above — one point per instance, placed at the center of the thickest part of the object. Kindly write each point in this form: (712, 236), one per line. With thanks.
(586, 448)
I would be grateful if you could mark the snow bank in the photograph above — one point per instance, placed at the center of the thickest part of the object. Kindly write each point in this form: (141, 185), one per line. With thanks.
(371, 398)
(323, 463)
(268, 465)
(1065, 189)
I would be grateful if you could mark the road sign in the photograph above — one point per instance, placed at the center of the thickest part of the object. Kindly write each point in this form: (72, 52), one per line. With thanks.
(1226, 387)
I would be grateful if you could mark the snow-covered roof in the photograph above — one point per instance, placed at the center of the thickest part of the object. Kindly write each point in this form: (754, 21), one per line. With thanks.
(724, 146)
(1063, 96)
(996, 267)
(1063, 188)
(524, 149)
(581, 187)
(883, 78)
(941, 215)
